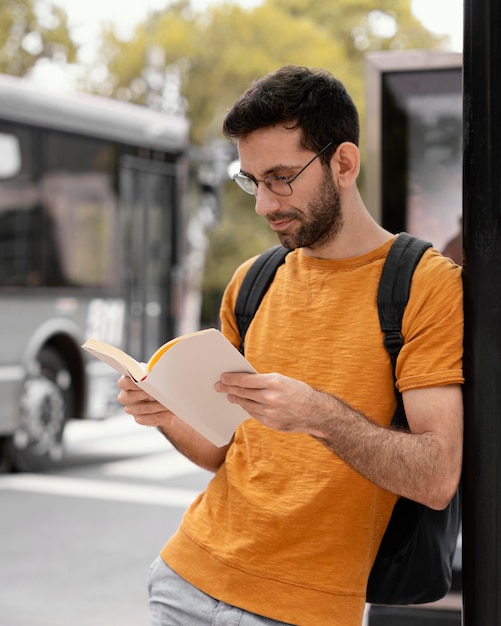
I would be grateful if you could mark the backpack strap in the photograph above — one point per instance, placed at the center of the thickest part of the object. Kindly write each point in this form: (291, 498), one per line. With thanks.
(255, 284)
(393, 295)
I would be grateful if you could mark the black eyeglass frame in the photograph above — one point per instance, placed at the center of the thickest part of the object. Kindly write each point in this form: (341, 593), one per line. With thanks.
(242, 179)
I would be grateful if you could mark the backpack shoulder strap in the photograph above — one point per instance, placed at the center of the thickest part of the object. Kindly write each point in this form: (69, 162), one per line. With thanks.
(255, 284)
(393, 295)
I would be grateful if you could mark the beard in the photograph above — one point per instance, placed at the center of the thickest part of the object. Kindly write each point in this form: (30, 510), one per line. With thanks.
(320, 223)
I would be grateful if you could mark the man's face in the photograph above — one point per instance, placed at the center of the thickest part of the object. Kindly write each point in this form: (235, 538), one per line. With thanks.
(312, 216)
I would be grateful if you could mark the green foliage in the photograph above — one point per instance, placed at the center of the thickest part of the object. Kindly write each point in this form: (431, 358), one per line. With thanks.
(239, 235)
(241, 45)
(216, 53)
(30, 31)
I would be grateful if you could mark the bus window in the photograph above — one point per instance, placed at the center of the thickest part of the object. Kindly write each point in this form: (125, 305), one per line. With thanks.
(79, 198)
(26, 256)
(10, 155)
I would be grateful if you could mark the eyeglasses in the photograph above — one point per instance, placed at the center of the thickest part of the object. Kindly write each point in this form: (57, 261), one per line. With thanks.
(281, 185)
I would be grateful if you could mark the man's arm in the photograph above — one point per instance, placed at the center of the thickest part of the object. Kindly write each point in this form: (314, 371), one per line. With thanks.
(423, 465)
(148, 412)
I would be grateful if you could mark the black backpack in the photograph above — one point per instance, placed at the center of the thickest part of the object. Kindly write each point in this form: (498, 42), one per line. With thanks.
(414, 561)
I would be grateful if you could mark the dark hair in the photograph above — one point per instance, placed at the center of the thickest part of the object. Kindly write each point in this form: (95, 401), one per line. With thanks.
(297, 97)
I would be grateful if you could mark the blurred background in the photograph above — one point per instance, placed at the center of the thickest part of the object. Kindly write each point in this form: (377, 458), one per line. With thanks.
(119, 221)
(195, 58)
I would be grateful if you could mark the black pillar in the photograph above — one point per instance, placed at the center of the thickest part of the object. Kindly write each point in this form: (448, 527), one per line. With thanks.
(482, 276)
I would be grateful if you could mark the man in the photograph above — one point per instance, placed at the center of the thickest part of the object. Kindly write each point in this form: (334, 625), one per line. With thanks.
(288, 528)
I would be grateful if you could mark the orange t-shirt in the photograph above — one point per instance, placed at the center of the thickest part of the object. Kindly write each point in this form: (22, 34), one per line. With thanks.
(286, 529)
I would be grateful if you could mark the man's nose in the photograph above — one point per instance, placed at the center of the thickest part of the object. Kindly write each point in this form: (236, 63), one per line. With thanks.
(266, 201)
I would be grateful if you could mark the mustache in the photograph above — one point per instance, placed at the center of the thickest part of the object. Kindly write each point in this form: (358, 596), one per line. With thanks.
(280, 216)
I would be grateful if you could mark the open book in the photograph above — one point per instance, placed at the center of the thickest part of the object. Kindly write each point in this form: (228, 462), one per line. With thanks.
(181, 375)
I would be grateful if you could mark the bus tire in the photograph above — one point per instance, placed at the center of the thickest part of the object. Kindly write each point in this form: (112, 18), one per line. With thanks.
(45, 406)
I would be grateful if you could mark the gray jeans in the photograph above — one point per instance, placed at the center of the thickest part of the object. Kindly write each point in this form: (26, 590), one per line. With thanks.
(174, 602)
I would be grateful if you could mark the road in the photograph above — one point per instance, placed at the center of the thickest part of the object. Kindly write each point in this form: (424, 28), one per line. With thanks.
(76, 542)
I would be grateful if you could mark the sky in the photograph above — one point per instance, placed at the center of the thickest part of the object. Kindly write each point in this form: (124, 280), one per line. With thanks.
(440, 16)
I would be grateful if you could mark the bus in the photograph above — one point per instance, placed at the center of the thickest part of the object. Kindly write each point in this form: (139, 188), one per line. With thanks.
(92, 223)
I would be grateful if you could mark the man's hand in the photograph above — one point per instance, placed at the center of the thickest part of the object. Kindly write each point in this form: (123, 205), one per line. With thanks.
(136, 402)
(274, 400)
(148, 412)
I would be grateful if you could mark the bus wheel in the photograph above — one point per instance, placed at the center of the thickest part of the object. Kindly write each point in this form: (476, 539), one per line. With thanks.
(37, 443)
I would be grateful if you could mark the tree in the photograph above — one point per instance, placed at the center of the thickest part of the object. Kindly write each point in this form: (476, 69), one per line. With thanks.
(31, 31)
(363, 27)
(215, 53)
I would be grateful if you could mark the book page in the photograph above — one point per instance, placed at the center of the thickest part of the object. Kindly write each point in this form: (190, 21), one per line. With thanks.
(115, 358)
(183, 381)
(156, 356)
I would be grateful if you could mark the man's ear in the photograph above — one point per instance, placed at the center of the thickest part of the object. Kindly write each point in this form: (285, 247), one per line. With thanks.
(345, 164)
